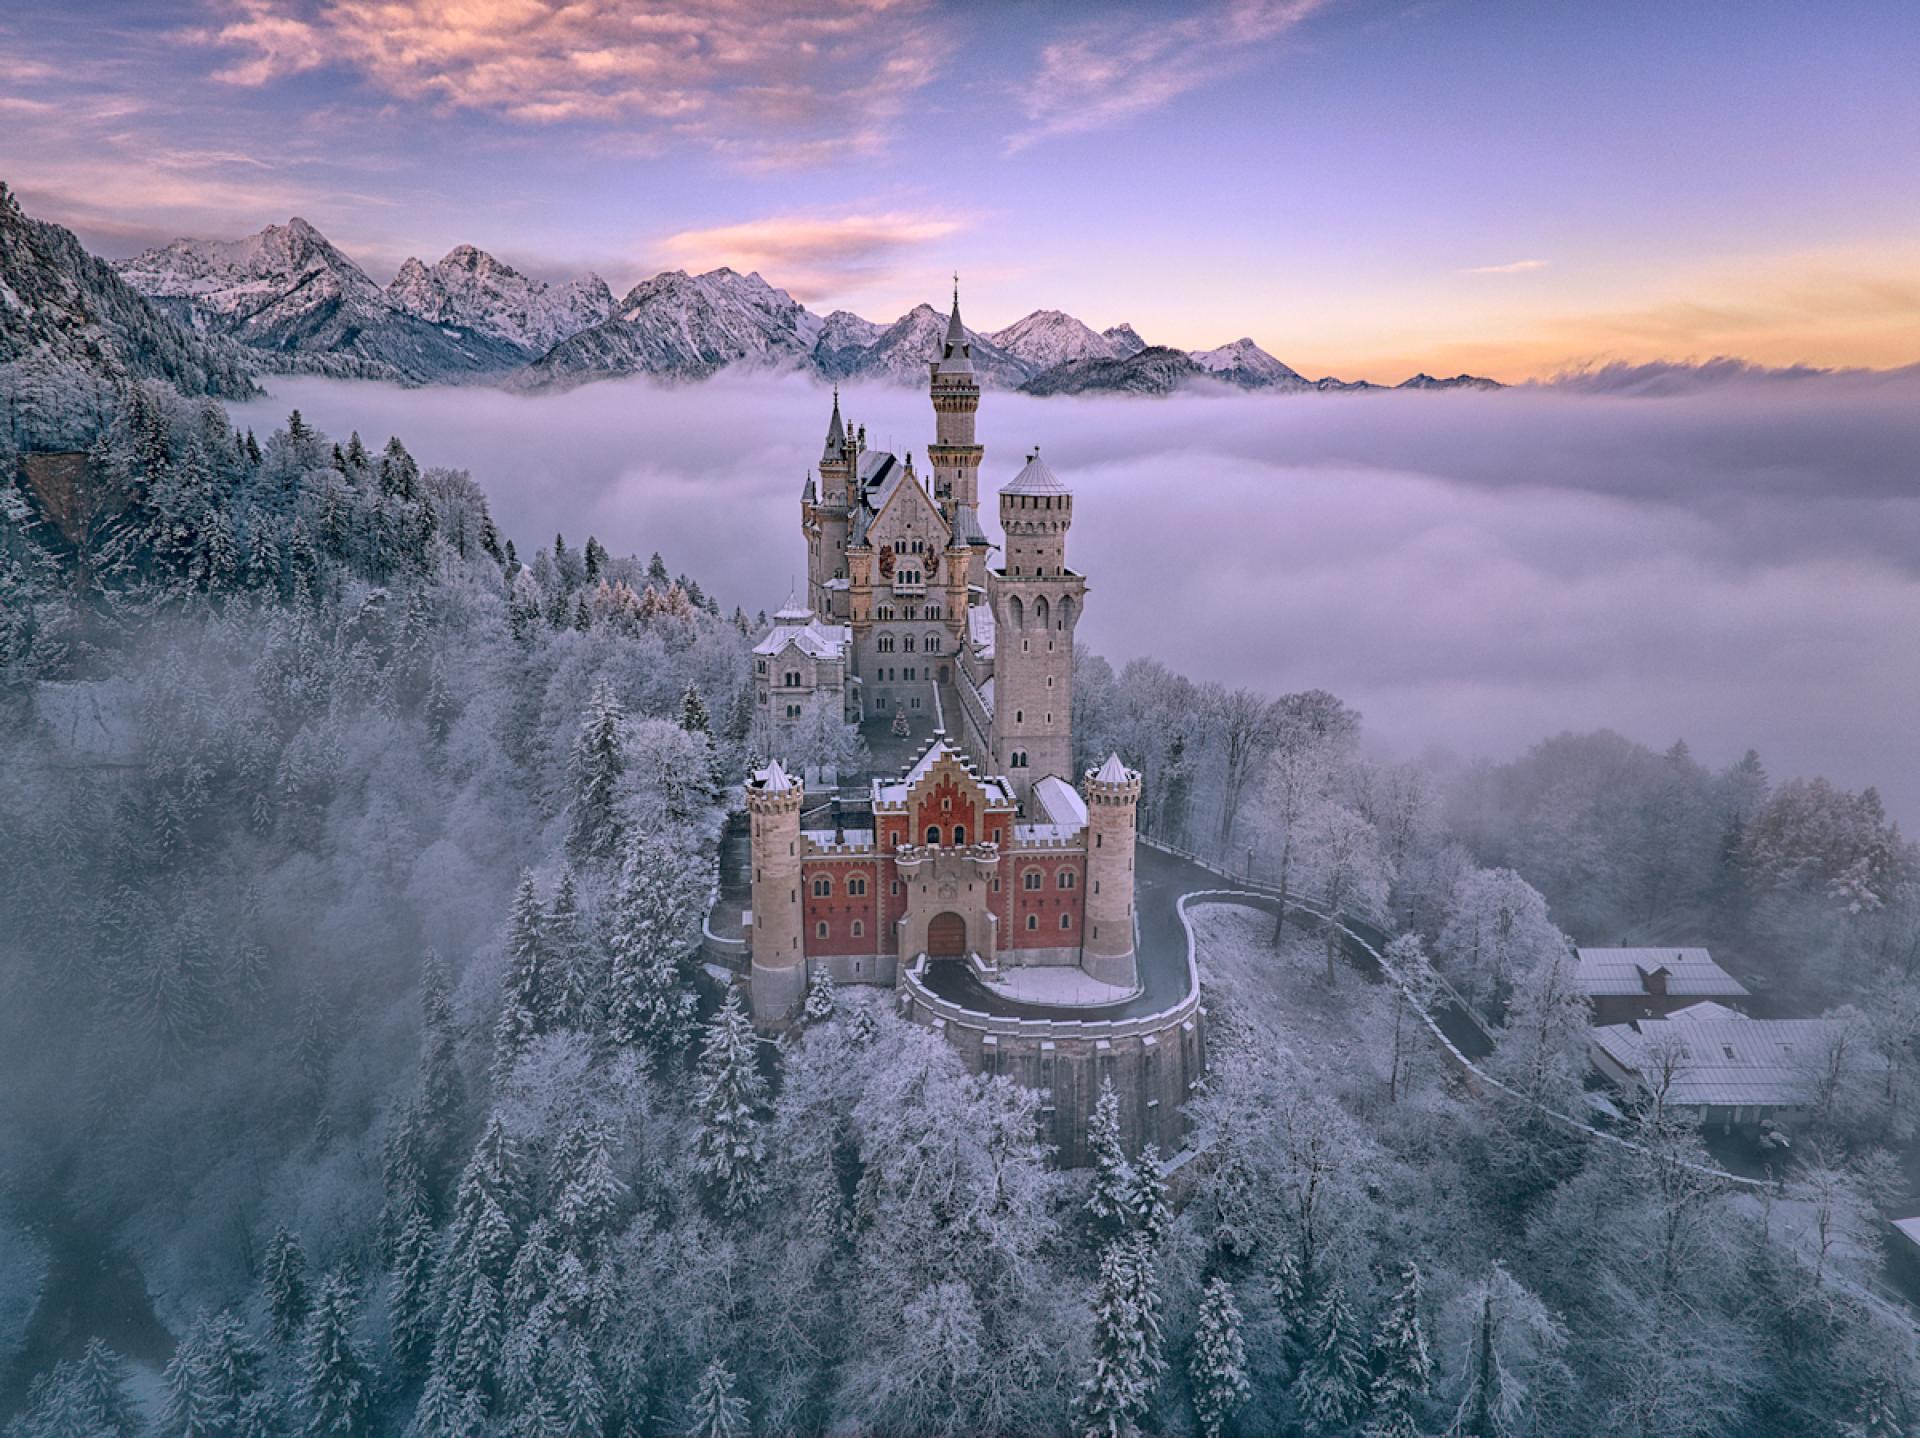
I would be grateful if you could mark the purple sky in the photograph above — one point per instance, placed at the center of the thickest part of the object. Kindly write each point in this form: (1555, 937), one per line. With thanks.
(1364, 186)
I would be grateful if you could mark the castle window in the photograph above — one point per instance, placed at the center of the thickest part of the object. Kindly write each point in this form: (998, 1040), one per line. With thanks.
(857, 885)
(1066, 920)
(885, 644)
(793, 711)
(933, 640)
(820, 929)
(894, 888)
(1033, 922)
(1065, 880)
(959, 835)
(1019, 716)
(822, 888)
(1031, 879)
(859, 929)
(933, 834)
(791, 679)
(909, 643)
(761, 666)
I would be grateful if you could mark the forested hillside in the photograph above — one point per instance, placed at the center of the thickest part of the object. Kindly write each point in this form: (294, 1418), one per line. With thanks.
(353, 867)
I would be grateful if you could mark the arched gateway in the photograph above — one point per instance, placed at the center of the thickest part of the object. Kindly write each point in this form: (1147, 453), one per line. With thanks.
(947, 936)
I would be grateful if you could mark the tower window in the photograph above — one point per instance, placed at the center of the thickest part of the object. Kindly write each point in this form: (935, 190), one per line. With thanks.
(857, 885)
(822, 888)
(1065, 880)
(1031, 879)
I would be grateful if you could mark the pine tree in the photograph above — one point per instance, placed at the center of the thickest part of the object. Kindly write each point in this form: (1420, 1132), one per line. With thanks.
(1218, 1368)
(1331, 1386)
(819, 1006)
(403, 1175)
(598, 764)
(443, 1092)
(717, 1411)
(656, 924)
(586, 1197)
(187, 1411)
(1402, 1365)
(570, 1385)
(524, 992)
(1877, 1414)
(1147, 1205)
(657, 572)
(216, 1384)
(596, 558)
(333, 1377)
(283, 1278)
(573, 996)
(728, 1096)
(1289, 1289)
(84, 1397)
(1111, 1198)
(693, 711)
(410, 1290)
(1118, 1391)
(863, 1028)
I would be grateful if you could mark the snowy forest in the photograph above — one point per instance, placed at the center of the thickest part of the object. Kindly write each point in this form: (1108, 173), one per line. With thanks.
(361, 1075)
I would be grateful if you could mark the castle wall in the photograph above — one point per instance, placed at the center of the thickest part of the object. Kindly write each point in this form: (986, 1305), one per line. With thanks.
(1048, 918)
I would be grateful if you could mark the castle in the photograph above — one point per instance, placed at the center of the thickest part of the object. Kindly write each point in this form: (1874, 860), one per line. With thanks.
(982, 849)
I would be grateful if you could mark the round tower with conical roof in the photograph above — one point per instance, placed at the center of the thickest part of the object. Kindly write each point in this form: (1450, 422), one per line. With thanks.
(1036, 603)
(1112, 792)
(779, 962)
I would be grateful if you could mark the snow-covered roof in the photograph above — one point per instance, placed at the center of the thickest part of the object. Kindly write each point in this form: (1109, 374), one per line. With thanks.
(1061, 802)
(1045, 833)
(980, 628)
(894, 791)
(1909, 1229)
(1725, 1058)
(1113, 771)
(1035, 478)
(1690, 973)
(811, 638)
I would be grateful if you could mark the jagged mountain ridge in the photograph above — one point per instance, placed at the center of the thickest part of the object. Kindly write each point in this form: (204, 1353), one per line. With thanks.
(61, 305)
(470, 288)
(291, 295)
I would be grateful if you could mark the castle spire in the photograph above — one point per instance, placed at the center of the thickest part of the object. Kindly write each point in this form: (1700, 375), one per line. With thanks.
(956, 332)
(836, 431)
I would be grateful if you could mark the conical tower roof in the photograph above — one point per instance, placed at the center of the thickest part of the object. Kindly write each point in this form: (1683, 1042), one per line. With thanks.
(836, 431)
(1036, 478)
(956, 352)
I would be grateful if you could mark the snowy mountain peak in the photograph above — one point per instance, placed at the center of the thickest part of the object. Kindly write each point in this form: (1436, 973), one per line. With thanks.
(1245, 364)
(1124, 338)
(1046, 338)
(471, 289)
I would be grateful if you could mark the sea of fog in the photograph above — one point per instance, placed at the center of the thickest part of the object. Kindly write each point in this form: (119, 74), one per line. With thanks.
(1736, 563)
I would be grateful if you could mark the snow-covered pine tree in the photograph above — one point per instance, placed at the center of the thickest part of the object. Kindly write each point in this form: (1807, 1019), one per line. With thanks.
(333, 1377)
(1330, 1389)
(1289, 1289)
(819, 1005)
(403, 1175)
(1877, 1414)
(1147, 1204)
(443, 1092)
(283, 1279)
(572, 991)
(862, 1027)
(729, 1094)
(187, 1409)
(410, 1289)
(570, 1386)
(598, 763)
(1218, 1366)
(585, 1197)
(216, 1384)
(1110, 1200)
(1402, 1364)
(523, 992)
(656, 923)
(85, 1397)
(718, 1412)
(693, 711)
(1118, 1390)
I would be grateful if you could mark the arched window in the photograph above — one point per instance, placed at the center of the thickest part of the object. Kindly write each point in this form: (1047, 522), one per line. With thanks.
(822, 888)
(933, 835)
(1033, 922)
(909, 643)
(1016, 612)
(933, 640)
(1066, 919)
(1066, 879)
(791, 679)
(856, 884)
(1031, 879)
(820, 929)
(1040, 612)
(884, 644)
(859, 929)
(959, 835)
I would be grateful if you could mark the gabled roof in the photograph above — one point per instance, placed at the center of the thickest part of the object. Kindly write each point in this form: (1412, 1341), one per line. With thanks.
(796, 626)
(1725, 1058)
(888, 493)
(1061, 803)
(1691, 973)
(993, 789)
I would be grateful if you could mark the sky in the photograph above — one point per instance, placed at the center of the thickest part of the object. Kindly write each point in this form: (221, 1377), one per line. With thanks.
(1364, 187)
(1729, 558)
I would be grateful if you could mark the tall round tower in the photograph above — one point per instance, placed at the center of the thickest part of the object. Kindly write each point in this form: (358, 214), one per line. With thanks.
(1113, 797)
(954, 455)
(779, 968)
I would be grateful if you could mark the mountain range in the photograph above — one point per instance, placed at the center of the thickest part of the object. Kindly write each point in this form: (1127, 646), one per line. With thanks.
(289, 300)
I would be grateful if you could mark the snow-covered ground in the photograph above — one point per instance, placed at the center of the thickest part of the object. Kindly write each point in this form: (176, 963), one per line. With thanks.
(1340, 1036)
(1063, 984)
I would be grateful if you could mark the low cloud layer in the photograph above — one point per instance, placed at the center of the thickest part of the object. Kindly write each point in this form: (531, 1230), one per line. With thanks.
(1738, 564)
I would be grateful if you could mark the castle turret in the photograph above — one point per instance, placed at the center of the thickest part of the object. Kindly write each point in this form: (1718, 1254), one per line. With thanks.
(1113, 797)
(779, 967)
(1036, 603)
(954, 455)
(825, 519)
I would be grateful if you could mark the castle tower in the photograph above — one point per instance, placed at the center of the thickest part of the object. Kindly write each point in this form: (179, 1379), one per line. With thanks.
(779, 969)
(1113, 797)
(825, 517)
(1036, 603)
(954, 455)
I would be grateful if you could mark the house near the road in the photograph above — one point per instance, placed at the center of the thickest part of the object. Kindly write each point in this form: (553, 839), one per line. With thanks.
(1627, 984)
(1727, 1069)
